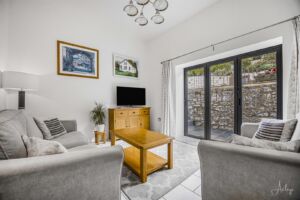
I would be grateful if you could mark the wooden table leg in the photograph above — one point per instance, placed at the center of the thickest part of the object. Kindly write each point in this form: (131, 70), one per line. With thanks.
(143, 165)
(113, 139)
(103, 137)
(170, 155)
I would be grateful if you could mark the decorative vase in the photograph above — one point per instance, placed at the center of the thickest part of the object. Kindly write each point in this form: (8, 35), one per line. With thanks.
(100, 127)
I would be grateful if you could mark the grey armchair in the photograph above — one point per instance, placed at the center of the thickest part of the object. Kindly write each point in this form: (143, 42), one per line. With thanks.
(230, 171)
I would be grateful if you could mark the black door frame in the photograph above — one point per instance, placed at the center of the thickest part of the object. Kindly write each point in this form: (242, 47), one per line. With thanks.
(237, 88)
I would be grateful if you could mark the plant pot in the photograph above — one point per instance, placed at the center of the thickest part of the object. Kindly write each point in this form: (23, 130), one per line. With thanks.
(100, 127)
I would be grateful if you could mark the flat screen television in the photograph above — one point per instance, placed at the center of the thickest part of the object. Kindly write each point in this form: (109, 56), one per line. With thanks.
(129, 96)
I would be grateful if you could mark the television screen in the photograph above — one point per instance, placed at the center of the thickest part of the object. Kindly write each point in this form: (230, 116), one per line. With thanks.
(127, 96)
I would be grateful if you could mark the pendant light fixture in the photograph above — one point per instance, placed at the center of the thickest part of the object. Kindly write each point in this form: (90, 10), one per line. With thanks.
(159, 5)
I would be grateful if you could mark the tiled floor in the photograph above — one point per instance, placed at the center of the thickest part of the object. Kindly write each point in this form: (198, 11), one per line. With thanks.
(188, 190)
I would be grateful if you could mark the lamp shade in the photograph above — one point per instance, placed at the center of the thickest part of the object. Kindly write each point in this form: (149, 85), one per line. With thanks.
(12, 80)
(0, 79)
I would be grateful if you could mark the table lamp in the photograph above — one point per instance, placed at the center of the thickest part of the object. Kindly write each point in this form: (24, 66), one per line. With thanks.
(19, 81)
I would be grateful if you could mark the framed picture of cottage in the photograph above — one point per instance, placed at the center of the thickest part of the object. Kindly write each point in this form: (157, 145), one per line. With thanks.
(77, 60)
(125, 66)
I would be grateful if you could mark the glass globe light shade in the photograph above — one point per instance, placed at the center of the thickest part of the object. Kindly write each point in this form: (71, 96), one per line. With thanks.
(160, 5)
(157, 18)
(141, 20)
(142, 2)
(130, 9)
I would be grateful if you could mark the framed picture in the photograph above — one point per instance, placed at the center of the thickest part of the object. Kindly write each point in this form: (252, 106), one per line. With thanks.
(125, 66)
(76, 60)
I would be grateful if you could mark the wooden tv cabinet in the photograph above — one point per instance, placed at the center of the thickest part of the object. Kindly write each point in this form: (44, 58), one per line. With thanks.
(129, 117)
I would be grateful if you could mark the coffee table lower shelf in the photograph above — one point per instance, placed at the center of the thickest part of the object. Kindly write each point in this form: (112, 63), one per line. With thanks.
(132, 161)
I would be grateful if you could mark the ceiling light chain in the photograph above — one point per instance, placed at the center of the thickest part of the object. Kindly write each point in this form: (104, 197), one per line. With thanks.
(159, 5)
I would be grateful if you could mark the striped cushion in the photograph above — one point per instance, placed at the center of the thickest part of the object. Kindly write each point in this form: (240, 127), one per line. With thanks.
(269, 131)
(55, 127)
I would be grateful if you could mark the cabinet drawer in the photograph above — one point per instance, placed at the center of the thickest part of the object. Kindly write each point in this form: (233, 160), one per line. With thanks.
(121, 113)
(144, 112)
(133, 112)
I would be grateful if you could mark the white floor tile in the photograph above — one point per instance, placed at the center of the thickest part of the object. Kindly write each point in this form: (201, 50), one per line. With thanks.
(198, 191)
(197, 173)
(181, 193)
(123, 196)
(192, 182)
(162, 198)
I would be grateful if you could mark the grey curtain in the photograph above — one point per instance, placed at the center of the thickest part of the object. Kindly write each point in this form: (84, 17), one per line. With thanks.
(169, 99)
(293, 96)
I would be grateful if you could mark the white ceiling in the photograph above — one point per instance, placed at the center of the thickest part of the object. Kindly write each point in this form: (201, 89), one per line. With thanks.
(177, 12)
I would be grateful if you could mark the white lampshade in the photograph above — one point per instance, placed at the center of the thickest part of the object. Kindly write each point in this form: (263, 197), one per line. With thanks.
(0, 79)
(12, 80)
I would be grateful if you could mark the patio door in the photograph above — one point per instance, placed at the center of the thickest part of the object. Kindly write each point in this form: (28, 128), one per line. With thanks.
(220, 95)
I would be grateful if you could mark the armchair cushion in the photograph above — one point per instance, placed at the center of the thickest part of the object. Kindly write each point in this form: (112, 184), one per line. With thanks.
(292, 146)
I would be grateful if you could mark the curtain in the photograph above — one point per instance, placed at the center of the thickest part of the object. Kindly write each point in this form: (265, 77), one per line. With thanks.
(168, 99)
(293, 96)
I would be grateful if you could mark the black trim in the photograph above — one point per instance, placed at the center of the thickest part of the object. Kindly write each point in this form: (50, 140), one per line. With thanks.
(207, 102)
(21, 102)
(237, 87)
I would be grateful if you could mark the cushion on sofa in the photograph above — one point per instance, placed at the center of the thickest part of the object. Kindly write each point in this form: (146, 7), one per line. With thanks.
(43, 128)
(32, 128)
(269, 130)
(72, 139)
(296, 135)
(12, 127)
(292, 146)
(39, 147)
(55, 127)
(288, 128)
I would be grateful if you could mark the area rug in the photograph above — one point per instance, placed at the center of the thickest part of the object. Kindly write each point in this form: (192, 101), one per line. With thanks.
(186, 162)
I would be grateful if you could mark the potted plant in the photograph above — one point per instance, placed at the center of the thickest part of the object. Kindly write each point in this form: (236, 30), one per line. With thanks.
(98, 116)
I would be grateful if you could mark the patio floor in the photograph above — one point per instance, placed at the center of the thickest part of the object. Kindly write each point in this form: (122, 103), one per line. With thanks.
(216, 134)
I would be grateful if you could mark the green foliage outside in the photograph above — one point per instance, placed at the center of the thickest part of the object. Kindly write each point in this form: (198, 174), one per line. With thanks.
(259, 63)
(251, 64)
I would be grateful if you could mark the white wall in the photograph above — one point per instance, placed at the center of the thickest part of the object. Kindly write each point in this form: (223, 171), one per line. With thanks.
(3, 44)
(34, 28)
(224, 20)
(35, 25)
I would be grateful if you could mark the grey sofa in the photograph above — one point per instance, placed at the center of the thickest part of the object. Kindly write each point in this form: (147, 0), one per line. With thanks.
(230, 171)
(84, 172)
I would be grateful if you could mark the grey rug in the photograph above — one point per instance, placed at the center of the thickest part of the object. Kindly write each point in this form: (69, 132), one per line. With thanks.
(186, 162)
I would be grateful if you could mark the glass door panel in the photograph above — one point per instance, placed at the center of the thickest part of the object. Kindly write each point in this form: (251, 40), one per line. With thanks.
(259, 87)
(222, 100)
(195, 102)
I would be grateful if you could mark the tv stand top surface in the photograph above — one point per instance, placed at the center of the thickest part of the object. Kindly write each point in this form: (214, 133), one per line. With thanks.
(128, 107)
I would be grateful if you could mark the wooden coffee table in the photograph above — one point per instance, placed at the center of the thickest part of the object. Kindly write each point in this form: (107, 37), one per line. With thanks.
(137, 157)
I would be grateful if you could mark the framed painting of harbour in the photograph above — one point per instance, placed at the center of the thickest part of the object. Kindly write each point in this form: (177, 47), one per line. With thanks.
(77, 60)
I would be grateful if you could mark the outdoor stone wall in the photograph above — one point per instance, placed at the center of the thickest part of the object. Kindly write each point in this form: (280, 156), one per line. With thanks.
(259, 101)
